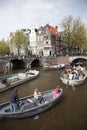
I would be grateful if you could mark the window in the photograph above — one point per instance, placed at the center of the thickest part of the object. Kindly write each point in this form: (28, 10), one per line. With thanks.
(46, 42)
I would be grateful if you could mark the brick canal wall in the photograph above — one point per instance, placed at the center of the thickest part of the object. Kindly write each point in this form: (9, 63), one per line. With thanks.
(57, 60)
(2, 66)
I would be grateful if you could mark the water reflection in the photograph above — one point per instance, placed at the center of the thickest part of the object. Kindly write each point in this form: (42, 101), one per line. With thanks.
(69, 114)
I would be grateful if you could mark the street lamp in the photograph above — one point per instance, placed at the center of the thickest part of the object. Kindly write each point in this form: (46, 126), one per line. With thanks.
(59, 44)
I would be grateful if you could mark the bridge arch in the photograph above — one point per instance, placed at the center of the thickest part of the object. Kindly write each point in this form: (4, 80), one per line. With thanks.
(14, 64)
(35, 63)
(76, 59)
(18, 64)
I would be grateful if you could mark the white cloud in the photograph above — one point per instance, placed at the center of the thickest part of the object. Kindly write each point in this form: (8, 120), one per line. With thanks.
(17, 14)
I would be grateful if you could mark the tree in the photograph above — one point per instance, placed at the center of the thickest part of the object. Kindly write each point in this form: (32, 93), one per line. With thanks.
(79, 34)
(20, 40)
(4, 48)
(74, 33)
(66, 24)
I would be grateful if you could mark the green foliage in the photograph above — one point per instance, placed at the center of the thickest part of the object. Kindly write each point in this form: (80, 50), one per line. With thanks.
(4, 48)
(20, 40)
(67, 30)
(74, 32)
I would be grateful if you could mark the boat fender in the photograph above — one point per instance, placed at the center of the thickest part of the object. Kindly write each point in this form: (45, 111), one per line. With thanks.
(29, 100)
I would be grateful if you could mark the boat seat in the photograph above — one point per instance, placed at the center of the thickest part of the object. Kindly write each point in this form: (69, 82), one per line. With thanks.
(27, 106)
(7, 110)
(49, 97)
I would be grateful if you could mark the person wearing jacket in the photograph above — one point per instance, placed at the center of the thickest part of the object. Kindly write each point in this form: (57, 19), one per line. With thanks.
(14, 100)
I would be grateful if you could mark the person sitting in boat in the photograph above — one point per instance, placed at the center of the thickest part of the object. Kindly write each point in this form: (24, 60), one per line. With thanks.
(65, 75)
(76, 77)
(70, 76)
(81, 75)
(38, 96)
(49, 64)
(57, 91)
(79, 68)
(14, 100)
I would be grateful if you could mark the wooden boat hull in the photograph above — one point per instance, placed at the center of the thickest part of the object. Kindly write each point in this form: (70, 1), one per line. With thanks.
(4, 87)
(31, 110)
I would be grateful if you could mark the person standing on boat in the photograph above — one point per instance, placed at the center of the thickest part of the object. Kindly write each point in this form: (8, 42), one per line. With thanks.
(14, 100)
(38, 96)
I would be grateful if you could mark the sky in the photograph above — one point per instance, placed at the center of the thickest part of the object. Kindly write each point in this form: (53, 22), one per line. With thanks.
(20, 14)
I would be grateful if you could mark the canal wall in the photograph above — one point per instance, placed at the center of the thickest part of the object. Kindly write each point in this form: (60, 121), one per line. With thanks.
(56, 60)
(2, 63)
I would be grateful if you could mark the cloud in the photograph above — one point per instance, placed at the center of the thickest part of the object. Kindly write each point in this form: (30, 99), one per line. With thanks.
(17, 14)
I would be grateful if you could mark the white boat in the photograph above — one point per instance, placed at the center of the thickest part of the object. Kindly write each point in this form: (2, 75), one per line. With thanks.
(48, 66)
(17, 79)
(72, 82)
(60, 66)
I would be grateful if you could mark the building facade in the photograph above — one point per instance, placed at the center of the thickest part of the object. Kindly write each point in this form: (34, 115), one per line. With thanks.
(43, 40)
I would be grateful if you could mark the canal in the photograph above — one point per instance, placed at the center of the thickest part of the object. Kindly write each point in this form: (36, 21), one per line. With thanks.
(69, 114)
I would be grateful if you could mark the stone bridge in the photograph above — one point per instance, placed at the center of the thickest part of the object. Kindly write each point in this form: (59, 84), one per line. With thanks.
(7, 64)
(79, 58)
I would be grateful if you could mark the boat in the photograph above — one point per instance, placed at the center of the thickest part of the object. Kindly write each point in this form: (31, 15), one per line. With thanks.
(72, 82)
(30, 107)
(17, 79)
(49, 67)
(60, 66)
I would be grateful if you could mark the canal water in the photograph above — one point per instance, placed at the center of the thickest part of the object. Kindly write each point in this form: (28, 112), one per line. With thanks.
(69, 114)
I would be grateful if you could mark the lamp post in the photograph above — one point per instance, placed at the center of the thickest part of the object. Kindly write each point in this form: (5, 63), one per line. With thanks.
(59, 44)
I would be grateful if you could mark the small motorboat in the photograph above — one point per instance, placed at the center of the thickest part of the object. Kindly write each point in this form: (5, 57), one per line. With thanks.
(17, 79)
(60, 66)
(52, 67)
(72, 82)
(73, 76)
(30, 107)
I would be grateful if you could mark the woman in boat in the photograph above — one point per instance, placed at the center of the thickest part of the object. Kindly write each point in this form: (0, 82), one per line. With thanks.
(57, 91)
(38, 96)
(14, 100)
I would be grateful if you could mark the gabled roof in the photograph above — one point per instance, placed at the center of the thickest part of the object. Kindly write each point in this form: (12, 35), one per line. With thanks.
(53, 30)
